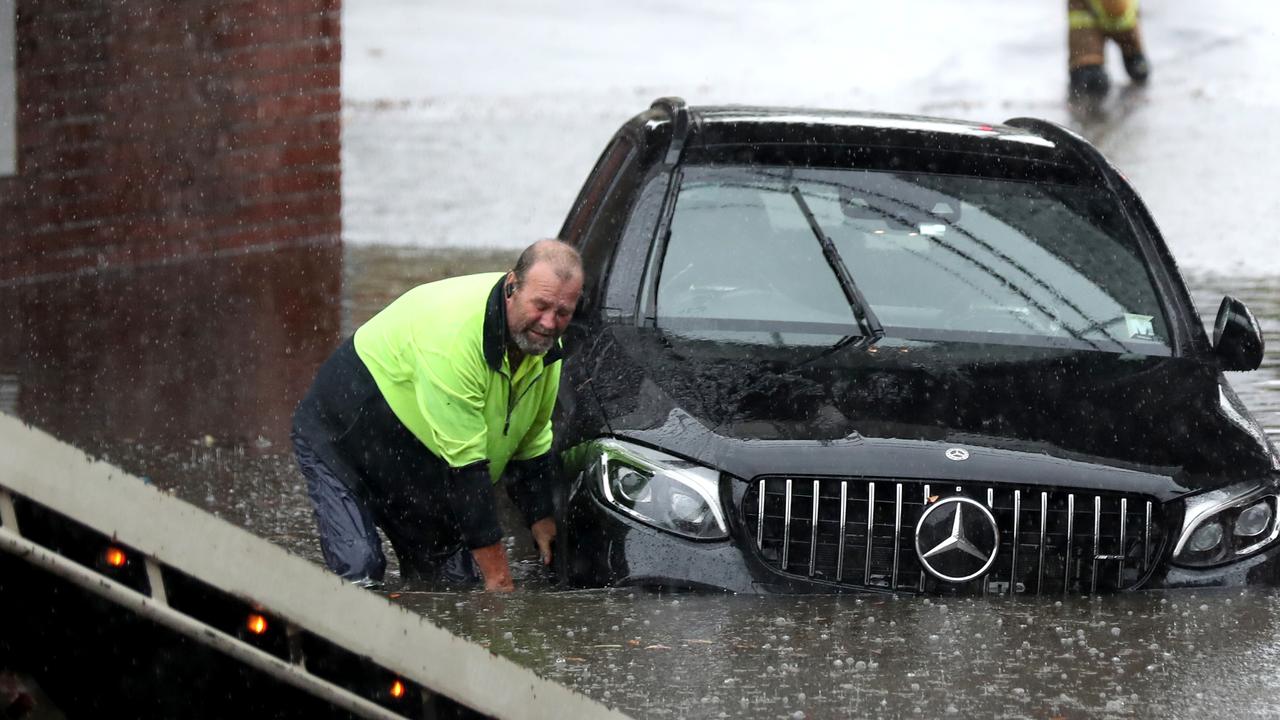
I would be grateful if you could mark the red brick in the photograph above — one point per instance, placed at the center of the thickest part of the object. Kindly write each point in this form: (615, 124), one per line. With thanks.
(285, 8)
(153, 129)
(287, 82)
(317, 103)
(244, 32)
(295, 207)
(295, 54)
(271, 132)
(67, 134)
(283, 155)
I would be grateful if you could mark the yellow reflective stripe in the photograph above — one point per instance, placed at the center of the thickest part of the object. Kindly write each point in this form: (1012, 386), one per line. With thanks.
(1109, 23)
(1081, 20)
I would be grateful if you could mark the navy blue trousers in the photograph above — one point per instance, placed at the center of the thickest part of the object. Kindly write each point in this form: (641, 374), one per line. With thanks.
(348, 534)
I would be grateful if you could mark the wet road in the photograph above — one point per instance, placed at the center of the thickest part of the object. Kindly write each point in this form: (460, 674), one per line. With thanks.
(1171, 655)
(207, 423)
(1179, 654)
(444, 105)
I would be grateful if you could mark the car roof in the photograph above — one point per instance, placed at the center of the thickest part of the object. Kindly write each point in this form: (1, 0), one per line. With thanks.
(857, 124)
(788, 135)
(766, 114)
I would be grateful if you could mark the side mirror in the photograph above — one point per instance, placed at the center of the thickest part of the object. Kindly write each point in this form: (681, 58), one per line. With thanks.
(1237, 338)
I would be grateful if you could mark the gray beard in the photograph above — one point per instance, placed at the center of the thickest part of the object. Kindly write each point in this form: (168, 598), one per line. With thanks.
(530, 347)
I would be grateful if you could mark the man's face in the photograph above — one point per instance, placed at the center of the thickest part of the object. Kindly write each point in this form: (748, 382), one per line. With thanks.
(541, 308)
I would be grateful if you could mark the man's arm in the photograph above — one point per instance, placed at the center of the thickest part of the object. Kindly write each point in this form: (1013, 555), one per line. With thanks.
(535, 470)
(529, 484)
(450, 389)
(470, 498)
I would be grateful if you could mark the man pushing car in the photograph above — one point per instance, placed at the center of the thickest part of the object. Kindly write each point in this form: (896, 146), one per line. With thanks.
(443, 393)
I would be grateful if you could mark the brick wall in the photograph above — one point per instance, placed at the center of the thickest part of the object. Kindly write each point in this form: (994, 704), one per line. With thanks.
(160, 129)
(170, 255)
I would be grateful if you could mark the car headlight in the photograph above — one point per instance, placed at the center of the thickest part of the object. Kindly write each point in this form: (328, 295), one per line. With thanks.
(660, 490)
(1227, 524)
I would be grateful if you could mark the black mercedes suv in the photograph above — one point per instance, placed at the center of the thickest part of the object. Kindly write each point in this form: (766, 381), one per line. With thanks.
(826, 351)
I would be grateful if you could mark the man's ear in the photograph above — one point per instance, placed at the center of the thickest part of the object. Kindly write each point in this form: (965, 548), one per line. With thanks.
(510, 286)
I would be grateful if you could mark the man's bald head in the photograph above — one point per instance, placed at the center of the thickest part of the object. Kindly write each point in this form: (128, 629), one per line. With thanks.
(562, 258)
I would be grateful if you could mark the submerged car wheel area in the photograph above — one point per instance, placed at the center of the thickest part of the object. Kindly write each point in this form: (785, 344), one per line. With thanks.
(828, 351)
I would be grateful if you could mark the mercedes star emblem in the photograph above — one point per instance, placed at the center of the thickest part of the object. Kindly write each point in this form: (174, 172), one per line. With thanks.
(957, 454)
(957, 539)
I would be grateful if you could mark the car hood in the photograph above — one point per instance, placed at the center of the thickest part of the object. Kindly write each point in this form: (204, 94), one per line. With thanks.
(720, 403)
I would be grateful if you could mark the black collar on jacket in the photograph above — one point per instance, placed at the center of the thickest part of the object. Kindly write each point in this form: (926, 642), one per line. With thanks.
(495, 330)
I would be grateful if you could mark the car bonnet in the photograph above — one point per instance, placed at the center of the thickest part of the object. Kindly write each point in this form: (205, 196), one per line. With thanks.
(1171, 416)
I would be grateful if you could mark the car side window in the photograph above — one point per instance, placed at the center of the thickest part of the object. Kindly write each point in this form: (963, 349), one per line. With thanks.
(597, 186)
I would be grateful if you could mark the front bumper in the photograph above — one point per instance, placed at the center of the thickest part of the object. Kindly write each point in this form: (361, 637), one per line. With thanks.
(605, 548)
(1262, 569)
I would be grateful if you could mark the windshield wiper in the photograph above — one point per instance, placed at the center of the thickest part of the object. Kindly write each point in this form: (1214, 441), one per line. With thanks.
(867, 319)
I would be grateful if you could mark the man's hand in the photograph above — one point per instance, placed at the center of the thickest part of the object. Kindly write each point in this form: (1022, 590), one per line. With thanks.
(544, 531)
(492, 560)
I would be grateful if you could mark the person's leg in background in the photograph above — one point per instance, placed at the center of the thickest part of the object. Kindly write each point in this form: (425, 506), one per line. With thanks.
(1090, 23)
(1085, 52)
(1119, 20)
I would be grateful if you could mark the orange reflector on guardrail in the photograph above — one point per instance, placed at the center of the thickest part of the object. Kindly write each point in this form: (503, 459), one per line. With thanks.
(115, 557)
(256, 624)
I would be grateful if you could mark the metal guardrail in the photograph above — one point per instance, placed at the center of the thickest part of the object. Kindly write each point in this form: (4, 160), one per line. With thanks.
(175, 547)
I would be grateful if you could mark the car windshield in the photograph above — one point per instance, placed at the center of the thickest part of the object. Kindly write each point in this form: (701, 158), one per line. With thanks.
(937, 257)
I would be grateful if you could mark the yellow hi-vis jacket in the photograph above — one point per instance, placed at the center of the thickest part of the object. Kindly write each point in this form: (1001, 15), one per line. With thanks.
(1108, 16)
(438, 354)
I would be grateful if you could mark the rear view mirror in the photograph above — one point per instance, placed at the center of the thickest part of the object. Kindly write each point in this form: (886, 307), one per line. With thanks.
(923, 208)
(1237, 338)
(949, 211)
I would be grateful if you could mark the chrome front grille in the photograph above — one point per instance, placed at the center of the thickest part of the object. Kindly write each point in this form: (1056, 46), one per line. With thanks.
(860, 532)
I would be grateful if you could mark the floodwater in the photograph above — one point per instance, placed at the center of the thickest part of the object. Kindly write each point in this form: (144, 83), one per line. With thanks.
(697, 656)
(187, 374)
(1176, 654)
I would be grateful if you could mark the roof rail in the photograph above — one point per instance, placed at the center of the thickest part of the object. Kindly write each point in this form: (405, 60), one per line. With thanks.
(1067, 137)
(678, 110)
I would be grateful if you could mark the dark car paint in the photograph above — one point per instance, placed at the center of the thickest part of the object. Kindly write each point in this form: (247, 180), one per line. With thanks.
(1072, 419)
(1094, 407)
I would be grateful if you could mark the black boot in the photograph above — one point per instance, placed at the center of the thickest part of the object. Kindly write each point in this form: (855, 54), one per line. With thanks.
(450, 568)
(460, 569)
(1138, 68)
(1089, 81)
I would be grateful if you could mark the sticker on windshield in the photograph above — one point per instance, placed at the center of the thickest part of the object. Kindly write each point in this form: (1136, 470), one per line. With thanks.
(1140, 327)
